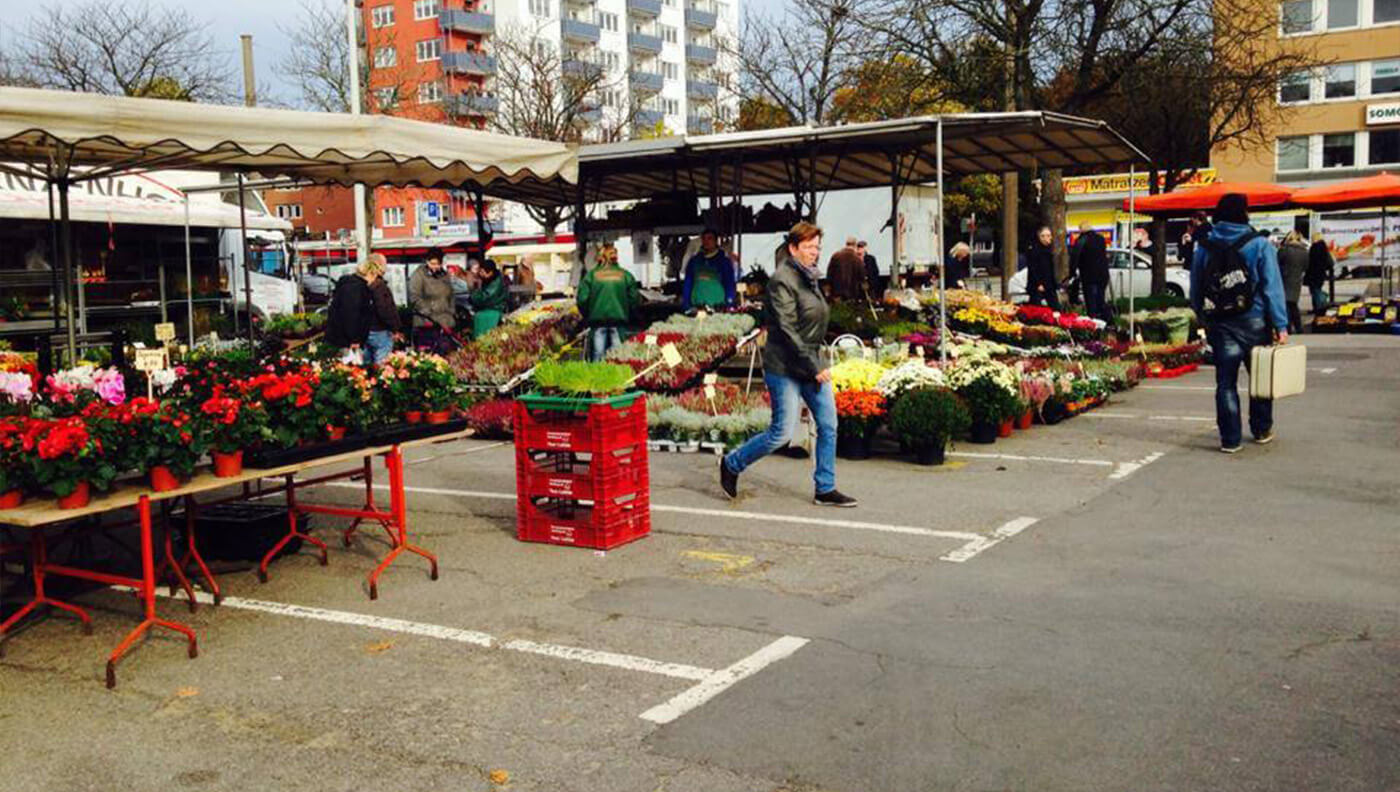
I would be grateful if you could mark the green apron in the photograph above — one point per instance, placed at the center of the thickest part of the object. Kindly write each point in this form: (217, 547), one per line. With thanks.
(707, 290)
(484, 322)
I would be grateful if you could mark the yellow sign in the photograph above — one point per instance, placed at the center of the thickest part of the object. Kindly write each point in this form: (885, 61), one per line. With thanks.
(165, 331)
(150, 359)
(671, 355)
(1118, 182)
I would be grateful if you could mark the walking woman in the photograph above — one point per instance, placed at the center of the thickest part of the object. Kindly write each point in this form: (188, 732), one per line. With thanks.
(1293, 262)
(795, 314)
(1320, 263)
(1040, 277)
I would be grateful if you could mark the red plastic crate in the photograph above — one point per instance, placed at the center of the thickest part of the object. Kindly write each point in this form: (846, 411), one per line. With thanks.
(605, 476)
(569, 523)
(601, 428)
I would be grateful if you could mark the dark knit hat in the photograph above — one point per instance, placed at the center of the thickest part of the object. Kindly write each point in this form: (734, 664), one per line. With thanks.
(1232, 208)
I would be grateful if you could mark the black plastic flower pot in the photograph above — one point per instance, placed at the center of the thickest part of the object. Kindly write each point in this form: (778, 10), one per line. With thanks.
(853, 446)
(984, 433)
(930, 454)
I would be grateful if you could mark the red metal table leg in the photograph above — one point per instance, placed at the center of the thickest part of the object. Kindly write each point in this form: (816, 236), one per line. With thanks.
(368, 475)
(292, 532)
(192, 551)
(176, 568)
(38, 556)
(398, 506)
(148, 599)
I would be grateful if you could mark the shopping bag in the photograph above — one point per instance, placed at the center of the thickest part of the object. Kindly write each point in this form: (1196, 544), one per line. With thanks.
(1277, 371)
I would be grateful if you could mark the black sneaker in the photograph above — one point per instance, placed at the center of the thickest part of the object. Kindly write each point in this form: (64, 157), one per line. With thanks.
(834, 498)
(728, 480)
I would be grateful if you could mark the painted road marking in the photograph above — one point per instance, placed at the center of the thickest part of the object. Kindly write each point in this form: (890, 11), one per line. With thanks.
(457, 635)
(1138, 417)
(729, 563)
(1126, 469)
(1018, 458)
(966, 536)
(972, 549)
(1323, 370)
(1178, 387)
(723, 679)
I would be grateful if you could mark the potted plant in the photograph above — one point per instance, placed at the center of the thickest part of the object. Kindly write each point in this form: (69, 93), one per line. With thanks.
(288, 398)
(14, 473)
(858, 414)
(169, 446)
(231, 425)
(440, 388)
(67, 461)
(927, 419)
(990, 405)
(343, 400)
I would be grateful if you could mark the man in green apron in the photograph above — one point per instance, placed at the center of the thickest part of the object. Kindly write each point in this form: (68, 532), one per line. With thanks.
(709, 276)
(489, 300)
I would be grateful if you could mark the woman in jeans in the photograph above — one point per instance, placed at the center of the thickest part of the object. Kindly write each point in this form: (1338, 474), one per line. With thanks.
(795, 314)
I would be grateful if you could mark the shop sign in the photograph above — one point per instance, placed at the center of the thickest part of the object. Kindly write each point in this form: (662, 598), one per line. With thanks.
(1118, 182)
(1383, 114)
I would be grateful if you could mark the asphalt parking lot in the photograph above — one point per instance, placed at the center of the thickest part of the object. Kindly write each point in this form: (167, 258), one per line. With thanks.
(1106, 604)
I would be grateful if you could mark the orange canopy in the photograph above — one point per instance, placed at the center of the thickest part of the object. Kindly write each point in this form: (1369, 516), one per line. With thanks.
(1260, 195)
(1373, 191)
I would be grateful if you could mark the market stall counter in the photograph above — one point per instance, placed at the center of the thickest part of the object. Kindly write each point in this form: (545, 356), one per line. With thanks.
(40, 515)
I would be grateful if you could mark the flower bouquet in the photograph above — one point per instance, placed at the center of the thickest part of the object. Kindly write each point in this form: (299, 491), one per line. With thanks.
(926, 419)
(858, 414)
(66, 460)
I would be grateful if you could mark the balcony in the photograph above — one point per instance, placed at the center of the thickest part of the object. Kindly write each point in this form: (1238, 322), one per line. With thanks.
(644, 42)
(646, 119)
(699, 89)
(582, 69)
(699, 125)
(580, 31)
(700, 18)
(460, 21)
(590, 115)
(705, 56)
(468, 63)
(472, 104)
(650, 82)
(648, 8)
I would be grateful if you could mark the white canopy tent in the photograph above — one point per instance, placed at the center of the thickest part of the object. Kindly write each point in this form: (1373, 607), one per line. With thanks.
(67, 138)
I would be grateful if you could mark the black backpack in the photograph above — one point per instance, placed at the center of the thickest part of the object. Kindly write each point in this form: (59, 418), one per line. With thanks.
(1226, 288)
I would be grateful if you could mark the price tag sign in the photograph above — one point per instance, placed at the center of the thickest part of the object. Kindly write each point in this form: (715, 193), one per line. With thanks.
(165, 331)
(711, 379)
(700, 316)
(650, 339)
(1139, 338)
(1201, 333)
(149, 360)
(710, 392)
(918, 351)
(671, 355)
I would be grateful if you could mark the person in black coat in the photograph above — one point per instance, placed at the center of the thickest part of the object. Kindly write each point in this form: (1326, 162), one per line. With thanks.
(352, 308)
(1319, 271)
(1090, 263)
(1040, 276)
(957, 266)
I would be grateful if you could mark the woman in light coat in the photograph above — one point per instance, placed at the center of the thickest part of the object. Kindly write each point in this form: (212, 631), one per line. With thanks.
(1293, 263)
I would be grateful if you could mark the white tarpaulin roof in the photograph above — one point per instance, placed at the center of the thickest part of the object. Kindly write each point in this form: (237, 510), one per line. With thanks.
(122, 133)
(140, 198)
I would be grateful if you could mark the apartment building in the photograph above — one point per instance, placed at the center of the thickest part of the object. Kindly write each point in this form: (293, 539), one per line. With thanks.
(1341, 121)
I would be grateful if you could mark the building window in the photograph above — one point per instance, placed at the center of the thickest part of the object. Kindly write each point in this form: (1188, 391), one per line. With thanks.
(289, 211)
(612, 61)
(429, 92)
(671, 71)
(669, 34)
(391, 216)
(1341, 81)
(1293, 153)
(539, 8)
(386, 98)
(385, 57)
(1385, 77)
(543, 49)
(1342, 14)
(670, 106)
(1298, 16)
(608, 21)
(1296, 87)
(722, 10)
(1385, 147)
(381, 16)
(426, 9)
(429, 50)
(669, 3)
(1339, 151)
(1385, 11)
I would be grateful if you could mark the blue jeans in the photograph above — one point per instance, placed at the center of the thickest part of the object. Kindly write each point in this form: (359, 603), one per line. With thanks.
(378, 346)
(600, 340)
(1232, 340)
(786, 395)
(1319, 299)
(1093, 300)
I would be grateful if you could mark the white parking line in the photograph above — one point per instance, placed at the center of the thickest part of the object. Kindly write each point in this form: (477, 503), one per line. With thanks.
(457, 635)
(1018, 458)
(1126, 469)
(1323, 370)
(1139, 417)
(1177, 387)
(719, 681)
(973, 548)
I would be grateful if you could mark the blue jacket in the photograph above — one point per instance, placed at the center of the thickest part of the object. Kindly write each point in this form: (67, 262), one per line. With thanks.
(726, 276)
(1262, 260)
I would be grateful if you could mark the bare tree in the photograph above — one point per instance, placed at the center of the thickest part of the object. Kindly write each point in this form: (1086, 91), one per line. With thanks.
(796, 64)
(318, 61)
(128, 49)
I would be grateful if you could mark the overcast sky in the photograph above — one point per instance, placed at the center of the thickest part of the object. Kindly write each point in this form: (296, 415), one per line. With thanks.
(231, 18)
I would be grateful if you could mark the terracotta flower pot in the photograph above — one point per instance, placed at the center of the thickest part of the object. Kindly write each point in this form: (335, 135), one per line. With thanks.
(78, 498)
(1025, 422)
(413, 416)
(163, 479)
(335, 432)
(12, 499)
(1005, 429)
(438, 417)
(228, 465)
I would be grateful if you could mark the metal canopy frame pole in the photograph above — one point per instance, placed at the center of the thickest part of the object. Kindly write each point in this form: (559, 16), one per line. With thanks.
(1132, 254)
(66, 224)
(941, 255)
(247, 273)
(580, 236)
(189, 276)
(53, 254)
(896, 275)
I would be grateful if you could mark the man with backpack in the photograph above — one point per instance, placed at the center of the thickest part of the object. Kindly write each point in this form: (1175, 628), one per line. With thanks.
(1237, 290)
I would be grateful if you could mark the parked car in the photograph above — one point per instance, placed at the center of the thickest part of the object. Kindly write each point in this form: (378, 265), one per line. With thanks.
(316, 287)
(1178, 278)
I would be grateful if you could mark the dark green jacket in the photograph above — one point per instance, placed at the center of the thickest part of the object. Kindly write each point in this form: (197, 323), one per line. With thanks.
(491, 296)
(795, 313)
(608, 295)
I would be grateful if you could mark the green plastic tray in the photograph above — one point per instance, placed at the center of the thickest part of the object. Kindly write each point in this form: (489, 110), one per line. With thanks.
(575, 403)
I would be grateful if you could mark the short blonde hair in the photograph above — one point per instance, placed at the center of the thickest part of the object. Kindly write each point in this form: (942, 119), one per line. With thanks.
(374, 264)
(1293, 238)
(961, 249)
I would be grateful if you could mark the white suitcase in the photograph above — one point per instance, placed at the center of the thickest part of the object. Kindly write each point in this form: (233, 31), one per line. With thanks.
(1277, 371)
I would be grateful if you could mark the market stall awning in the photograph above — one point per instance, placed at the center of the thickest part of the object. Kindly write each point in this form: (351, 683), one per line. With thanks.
(1380, 190)
(1261, 195)
(852, 156)
(109, 134)
(138, 199)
